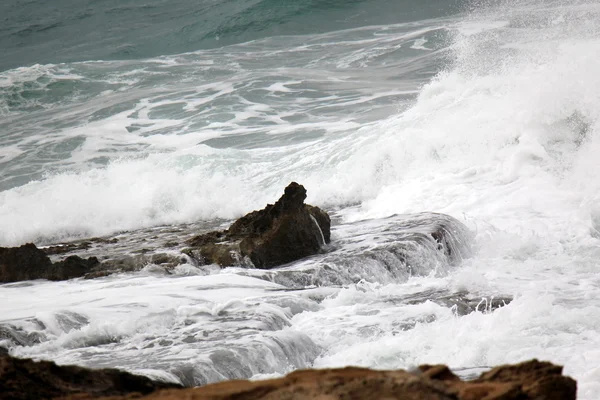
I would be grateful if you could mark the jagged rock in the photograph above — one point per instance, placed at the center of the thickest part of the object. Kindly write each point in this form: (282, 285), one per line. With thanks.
(22, 379)
(278, 234)
(526, 381)
(27, 262)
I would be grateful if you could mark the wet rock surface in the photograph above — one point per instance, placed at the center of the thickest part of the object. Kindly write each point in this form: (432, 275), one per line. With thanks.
(26, 379)
(462, 302)
(278, 234)
(27, 262)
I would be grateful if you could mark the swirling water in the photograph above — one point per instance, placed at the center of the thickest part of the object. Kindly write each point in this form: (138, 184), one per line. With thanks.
(132, 117)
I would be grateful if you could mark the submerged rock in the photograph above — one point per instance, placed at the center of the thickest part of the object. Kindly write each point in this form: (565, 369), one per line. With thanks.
(27, 262)
(14, 336)
(27, 379)
(278, 234)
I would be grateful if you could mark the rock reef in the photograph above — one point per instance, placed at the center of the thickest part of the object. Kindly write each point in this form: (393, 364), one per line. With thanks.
(278, 234)
(286, 231)
(531, 380)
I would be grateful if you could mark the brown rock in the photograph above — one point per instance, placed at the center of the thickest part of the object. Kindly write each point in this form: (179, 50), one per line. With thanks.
(540, 380)
(22, 379)
(278, 234)
(526, 381)
(438, 372)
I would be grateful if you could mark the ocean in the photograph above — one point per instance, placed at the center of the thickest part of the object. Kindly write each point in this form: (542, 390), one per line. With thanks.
(143, 120)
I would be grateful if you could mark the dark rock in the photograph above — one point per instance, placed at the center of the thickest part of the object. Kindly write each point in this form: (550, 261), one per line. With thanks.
(27, 262)
(278, 234)
(73, 267)
(323, 221)
(23, 263)
(27, 379)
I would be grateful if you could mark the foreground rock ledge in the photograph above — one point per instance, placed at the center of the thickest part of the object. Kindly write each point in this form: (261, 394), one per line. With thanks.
(22, 379)
(525, 381)
(278, 234)
(25, 379)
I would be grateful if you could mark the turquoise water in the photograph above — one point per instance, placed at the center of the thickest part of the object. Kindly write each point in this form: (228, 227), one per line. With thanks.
(103, 82)
(66, 31)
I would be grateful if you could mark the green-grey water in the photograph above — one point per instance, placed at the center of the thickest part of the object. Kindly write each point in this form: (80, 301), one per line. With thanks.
(65, 31)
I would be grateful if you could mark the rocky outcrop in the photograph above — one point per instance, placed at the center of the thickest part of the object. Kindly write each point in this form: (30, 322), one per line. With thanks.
(278, 234)
(531, 380)
(26, 379)
(27, 262)
(526, 381)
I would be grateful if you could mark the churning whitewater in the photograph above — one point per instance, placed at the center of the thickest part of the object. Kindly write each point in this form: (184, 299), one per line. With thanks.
(485, 111)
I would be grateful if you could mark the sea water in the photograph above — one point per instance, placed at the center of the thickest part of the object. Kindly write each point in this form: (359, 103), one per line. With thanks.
(124, 119)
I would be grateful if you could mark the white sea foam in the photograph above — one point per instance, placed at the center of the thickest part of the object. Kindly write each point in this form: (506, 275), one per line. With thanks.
(140, 155)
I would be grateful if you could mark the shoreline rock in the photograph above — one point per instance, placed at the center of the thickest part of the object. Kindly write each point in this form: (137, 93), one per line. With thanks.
(22, 379)
(278, 234)
(283, 232)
